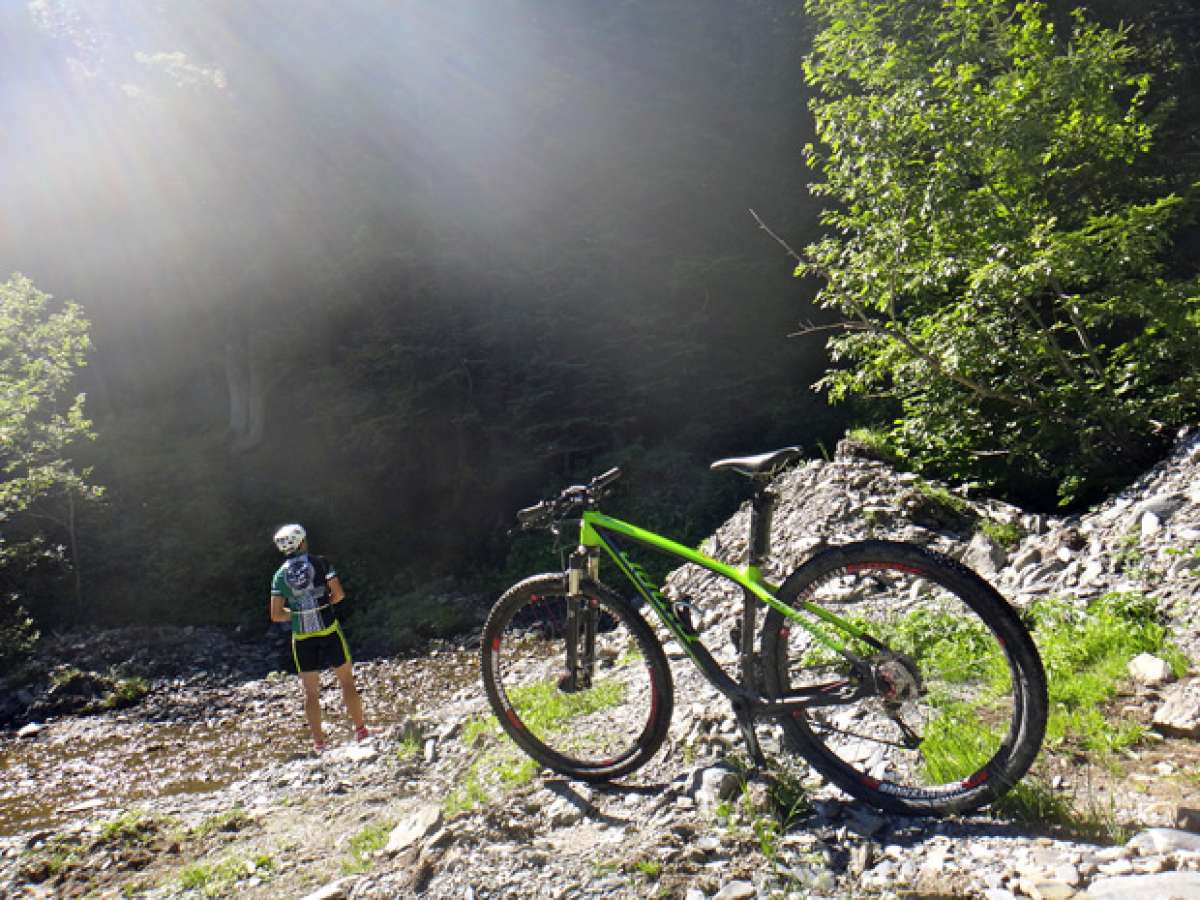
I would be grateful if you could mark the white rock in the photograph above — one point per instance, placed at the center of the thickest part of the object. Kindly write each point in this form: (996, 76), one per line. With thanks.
(1116, 867)
(1172, 885)
(1164, 840)
(421, 823)
(335, 890)
(1149, 864)
(1030, 556)
(1047, 890)
(1093, 572)
(736, 890)
(1161, 507)
(714, 785)
(1067, 873)
(1183, 566)
(355, 753)
(1145, 668)
(1151, 524)
(1180, 712)
(985, 556)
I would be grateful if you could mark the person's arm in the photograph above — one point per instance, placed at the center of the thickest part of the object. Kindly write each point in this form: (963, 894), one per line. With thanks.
(336, 594)
(278, 612)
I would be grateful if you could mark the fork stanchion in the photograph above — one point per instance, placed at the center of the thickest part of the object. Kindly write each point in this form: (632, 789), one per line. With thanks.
(571, 680)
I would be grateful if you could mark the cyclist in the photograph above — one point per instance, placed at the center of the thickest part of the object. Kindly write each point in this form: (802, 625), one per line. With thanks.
(305, 591)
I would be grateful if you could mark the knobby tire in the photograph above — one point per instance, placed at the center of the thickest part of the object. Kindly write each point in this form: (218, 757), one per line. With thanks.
(596, 732)
(978, 709)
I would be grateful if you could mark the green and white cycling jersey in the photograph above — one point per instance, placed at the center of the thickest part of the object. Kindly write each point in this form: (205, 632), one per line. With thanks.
(302, 582)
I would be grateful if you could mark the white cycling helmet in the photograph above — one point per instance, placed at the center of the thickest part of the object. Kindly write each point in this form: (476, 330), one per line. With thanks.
(289, 538)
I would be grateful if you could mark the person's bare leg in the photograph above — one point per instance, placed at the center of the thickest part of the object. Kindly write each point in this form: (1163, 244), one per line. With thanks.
(312, 704)
(345, 677)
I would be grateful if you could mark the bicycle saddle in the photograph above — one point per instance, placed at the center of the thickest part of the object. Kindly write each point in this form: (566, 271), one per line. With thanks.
(761, 465)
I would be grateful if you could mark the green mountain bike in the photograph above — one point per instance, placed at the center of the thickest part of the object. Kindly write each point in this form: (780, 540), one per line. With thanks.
(899, 675)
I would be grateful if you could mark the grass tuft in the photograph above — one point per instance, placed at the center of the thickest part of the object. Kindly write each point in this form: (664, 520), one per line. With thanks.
(364, 844)
(1086, 654)
(230, 821)
(1006, 534)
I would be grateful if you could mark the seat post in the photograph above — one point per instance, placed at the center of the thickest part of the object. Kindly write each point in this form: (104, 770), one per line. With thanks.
(761, 507)
(760, 530)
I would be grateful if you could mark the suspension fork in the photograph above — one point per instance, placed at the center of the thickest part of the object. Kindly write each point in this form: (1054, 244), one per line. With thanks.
(581, 621)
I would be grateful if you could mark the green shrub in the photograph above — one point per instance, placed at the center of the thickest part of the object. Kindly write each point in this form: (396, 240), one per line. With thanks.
(872, 443)
(230, 821)
(998, 239)
(1086, 653)
(1006, 534)
(134, 826)
(18, 636)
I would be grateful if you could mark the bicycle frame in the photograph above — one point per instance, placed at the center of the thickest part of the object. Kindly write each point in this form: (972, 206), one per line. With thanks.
(600, 532)
(916, 635)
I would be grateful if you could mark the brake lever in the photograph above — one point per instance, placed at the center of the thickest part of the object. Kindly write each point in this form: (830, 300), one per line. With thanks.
(576, 493)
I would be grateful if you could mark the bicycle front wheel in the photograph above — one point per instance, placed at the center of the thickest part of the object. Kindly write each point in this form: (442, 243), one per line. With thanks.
(945, 709)
(581, 684)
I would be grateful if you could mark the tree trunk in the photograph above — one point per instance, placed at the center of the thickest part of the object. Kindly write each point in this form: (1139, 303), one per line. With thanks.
(237, 380)
(249, 389)
(73, 538)
(256, 412)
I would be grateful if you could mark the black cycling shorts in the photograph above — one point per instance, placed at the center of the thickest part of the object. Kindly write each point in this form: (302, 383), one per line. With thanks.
(320, 651)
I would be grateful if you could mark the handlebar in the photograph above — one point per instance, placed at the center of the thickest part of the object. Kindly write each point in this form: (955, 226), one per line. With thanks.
(532, 514)
(605, 479)
(549, 511)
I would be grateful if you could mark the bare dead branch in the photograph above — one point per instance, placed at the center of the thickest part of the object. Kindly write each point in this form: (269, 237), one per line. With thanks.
(780, 241)
(866, 323)
(809, 328)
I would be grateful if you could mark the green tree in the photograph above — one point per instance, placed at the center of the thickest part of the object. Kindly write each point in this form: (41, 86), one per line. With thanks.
(998, 245)
(41, 348)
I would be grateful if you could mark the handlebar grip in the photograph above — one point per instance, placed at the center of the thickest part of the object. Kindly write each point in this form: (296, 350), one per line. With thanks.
(606, 478)
(531, 514)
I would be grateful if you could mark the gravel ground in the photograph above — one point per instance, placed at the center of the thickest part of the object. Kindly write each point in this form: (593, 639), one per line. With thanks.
(206, 787)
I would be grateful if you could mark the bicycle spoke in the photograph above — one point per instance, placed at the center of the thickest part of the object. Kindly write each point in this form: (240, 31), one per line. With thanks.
(825, 728)
(942, 705)
(578, 683)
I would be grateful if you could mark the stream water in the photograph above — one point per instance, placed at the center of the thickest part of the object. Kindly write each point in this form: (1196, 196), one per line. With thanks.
(194, 737)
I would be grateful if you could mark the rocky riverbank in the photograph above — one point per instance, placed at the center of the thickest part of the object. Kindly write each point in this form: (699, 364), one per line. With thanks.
(203, 785)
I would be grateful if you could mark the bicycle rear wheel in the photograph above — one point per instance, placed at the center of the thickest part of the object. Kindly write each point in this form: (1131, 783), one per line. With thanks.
(580, 684)
(952, 705)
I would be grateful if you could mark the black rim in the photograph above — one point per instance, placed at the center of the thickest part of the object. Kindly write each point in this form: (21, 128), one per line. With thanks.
(989, 771)
(530, 638)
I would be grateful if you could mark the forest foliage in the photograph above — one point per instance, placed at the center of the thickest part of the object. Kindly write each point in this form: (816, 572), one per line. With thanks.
(399, 294)
(999, 241)
(42, 346)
